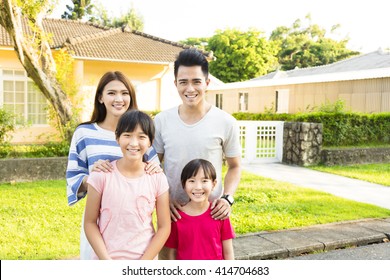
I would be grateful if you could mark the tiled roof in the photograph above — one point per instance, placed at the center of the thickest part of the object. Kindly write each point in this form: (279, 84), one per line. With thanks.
(90, 41)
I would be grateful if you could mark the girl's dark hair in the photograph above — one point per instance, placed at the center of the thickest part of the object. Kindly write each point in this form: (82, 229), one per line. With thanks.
(192, 57)
(129, 121)
(192, 168)
(99, 110)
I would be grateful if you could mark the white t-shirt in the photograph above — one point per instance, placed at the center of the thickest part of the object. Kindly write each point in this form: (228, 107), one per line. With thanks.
(215, 135)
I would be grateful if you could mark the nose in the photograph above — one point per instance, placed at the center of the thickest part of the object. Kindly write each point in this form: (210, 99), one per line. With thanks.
(118, 97)
(190, 88)
(133, 141)
(198, 185)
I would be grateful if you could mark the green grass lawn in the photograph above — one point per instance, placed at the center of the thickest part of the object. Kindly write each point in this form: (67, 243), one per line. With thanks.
(374, 173)
(37, 223)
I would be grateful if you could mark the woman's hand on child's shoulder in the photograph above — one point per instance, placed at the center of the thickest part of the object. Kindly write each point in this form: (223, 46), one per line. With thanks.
(153, 167)
(102, 166)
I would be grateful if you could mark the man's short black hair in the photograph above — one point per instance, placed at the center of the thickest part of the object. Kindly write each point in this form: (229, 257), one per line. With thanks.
(192, 57)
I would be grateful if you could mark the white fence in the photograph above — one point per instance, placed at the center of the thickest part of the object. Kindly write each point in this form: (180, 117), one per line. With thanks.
(261, 141)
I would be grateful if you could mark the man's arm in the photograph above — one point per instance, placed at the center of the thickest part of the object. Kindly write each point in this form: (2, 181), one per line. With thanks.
(233, 175)
(172, 204)
(221, 208)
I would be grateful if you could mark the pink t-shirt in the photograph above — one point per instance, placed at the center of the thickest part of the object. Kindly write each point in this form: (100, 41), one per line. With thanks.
(125, 220)
(199, 237)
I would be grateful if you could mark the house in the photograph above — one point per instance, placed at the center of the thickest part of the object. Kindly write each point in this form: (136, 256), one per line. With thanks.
(147, 61)
(362, 82)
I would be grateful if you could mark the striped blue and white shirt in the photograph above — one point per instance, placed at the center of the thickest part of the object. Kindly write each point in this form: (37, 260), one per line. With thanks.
(91, 143)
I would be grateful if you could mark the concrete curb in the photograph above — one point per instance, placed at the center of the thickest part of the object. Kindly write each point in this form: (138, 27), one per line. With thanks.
(319, 238)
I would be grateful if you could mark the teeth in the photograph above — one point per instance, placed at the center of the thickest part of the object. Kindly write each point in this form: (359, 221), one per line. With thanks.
(198, 194)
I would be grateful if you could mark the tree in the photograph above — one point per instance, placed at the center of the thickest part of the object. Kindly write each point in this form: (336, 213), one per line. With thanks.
(81, 9)
(199, 43)
(132, 18)
(241, 55)
(35, 54)
(305, 46)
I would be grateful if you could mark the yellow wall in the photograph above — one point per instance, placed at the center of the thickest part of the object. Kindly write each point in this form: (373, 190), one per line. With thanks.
(153, 82)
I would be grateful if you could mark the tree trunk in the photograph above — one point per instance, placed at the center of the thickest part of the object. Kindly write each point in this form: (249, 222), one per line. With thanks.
(37, 60)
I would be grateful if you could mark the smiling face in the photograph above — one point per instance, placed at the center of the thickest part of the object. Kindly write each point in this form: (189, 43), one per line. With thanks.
(198, 187)
(134, 144)
(116, 98)
(191, 85)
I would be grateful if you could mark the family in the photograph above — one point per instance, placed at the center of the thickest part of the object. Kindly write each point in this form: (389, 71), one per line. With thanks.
(115, 158)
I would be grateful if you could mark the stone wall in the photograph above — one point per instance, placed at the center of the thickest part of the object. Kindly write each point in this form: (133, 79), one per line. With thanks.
(302, 143)
(355, 156)
(31, 169)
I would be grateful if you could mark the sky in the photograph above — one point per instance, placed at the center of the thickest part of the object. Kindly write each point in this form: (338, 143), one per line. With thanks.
(365, 23)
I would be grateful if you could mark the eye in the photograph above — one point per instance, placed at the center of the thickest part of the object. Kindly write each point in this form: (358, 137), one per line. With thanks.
(125, 93)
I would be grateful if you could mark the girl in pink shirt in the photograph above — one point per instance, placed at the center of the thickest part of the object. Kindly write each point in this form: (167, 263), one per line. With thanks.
(120, 204)
(197, 236)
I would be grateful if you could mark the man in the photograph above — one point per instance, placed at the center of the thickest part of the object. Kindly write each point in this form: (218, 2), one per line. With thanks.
(197, 129)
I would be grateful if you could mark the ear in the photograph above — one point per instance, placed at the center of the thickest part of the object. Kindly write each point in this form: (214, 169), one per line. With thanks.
(214, 184)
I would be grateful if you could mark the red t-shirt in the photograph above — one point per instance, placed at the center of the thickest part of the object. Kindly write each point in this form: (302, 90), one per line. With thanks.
(199, 237)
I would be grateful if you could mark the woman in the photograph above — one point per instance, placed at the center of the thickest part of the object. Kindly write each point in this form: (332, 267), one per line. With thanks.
(94, 146)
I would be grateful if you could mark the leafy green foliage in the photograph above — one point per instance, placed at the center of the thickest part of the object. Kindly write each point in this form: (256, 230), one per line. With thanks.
(199, 43)
(132, 18)
(339, 128)
(307, 45)
(7, 125)
(328, 107)
(81, 9)
(241, 55)
(60, 149)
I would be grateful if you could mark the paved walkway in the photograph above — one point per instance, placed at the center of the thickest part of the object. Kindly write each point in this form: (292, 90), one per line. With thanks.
(338, 185)
(288, 243)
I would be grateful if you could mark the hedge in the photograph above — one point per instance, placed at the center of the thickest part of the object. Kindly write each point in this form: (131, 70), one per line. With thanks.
(339, 129)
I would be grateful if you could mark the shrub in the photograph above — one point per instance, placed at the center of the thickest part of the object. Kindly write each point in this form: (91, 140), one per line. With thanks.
(339, 128)
(7, 125)
(35, 151)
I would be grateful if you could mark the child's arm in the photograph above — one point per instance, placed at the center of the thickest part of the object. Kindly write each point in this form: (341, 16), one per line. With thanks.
(227, 247)
(163, 227)
(171, 253)
(91, 228)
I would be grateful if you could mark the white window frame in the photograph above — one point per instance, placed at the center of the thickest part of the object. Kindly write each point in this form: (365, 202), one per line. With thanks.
(26, 119)
(282, 97)
(219, 100)
(243, 101)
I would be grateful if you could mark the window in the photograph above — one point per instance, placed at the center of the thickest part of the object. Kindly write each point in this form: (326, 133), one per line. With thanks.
(218, 100)
(281, 101)
(243, 99)
(21, 97)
